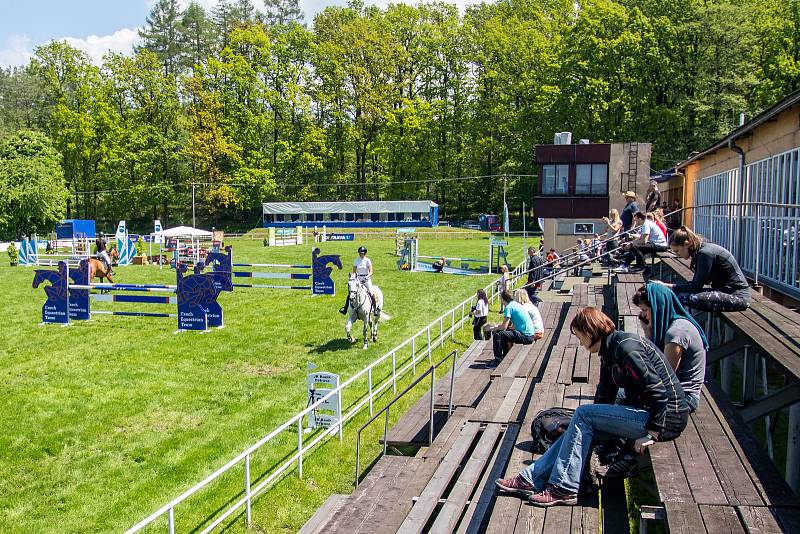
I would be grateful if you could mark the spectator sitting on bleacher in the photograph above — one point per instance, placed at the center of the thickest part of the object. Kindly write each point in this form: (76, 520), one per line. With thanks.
(651, 239)
(655, 410)
(523, 332)
(712, 265)
(521, 296)
(683, 342)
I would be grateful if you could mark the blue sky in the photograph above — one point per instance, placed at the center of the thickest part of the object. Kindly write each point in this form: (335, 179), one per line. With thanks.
(96, 26)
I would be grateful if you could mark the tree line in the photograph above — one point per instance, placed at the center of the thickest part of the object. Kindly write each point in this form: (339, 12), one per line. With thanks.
(252, 103)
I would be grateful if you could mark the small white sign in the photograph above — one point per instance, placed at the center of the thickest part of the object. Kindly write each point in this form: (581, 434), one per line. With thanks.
(329, 412)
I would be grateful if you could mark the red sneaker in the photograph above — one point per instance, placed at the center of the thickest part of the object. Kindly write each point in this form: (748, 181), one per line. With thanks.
(515, 484)
(554, 496)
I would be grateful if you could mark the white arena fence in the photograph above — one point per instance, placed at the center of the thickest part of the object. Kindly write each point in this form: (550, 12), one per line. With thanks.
(419, 347)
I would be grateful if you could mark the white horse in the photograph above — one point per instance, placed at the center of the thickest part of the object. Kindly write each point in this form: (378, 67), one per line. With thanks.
(361, 307)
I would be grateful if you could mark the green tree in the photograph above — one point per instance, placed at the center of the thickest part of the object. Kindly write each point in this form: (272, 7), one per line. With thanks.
(162, 34)
(33, 194)
(281, 12)
(196, 36)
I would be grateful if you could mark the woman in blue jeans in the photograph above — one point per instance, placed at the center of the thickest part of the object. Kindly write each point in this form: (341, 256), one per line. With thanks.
(655, 410)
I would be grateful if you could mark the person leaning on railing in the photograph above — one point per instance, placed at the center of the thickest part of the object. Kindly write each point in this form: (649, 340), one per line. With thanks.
(713, 265)
(655, 410)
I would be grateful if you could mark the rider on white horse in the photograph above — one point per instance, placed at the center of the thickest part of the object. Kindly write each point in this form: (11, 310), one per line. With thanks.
(362, 268)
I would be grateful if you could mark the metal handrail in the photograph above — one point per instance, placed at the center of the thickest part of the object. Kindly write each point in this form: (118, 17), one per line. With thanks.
(297, 419)
(430, 371)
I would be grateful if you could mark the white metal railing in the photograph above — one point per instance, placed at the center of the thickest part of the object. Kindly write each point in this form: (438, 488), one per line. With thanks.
(757, 218)
(429, 342)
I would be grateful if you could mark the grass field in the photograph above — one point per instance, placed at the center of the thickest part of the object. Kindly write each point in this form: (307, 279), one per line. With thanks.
(103, 422)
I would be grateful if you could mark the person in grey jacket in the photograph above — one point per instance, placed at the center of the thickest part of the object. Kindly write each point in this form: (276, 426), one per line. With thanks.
(712, 265)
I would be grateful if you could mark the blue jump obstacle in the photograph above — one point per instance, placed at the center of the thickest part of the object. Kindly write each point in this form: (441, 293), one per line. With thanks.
(195, 297)
(321, 282)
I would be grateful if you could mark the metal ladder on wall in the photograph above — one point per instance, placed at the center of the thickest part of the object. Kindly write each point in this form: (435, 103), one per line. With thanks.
(633, 168)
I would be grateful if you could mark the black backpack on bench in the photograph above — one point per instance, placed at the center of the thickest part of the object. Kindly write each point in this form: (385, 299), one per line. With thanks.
(547, 426)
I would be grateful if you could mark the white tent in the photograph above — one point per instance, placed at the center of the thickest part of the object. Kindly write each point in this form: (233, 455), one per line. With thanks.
(182, 231)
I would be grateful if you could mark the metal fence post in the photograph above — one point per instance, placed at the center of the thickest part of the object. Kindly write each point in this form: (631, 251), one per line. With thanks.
(300, 447)
(428, 330)
(249, 510)
(758, 244)
(414, 354)
(462, 316)
(453, 324)
(385, 430)
(441, 331)
(369, 378)
(394, 373)
(430, 423)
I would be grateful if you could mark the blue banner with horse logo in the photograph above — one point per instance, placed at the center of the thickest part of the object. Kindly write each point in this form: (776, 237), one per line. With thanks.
(322, 284)
(79, 298)
(341, 237)
(195, 293)
(56, 307)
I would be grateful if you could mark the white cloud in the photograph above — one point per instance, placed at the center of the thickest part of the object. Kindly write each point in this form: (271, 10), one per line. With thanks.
(17, 51)
(96, 46)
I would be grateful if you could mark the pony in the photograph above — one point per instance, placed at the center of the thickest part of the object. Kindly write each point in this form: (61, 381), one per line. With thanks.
(361, 307)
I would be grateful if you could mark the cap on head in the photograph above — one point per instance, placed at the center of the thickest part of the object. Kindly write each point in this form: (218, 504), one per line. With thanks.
(362, 249)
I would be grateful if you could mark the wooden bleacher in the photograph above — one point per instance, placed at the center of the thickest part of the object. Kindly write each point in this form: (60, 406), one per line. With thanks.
(713, 478)
(449, 485)
(716, 477)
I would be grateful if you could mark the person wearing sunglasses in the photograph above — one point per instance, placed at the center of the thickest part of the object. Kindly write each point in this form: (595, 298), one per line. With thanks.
(654, 409)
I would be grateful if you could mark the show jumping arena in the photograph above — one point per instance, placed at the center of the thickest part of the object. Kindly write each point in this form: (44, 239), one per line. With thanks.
(118, 402)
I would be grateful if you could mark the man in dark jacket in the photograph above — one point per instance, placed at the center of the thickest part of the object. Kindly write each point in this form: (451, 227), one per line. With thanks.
(631, 209)
(535, 272)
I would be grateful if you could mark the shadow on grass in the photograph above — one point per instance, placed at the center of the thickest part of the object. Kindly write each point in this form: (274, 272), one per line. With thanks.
(330, 346)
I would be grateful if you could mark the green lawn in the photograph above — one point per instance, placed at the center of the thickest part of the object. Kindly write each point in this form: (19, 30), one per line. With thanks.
(103, 422)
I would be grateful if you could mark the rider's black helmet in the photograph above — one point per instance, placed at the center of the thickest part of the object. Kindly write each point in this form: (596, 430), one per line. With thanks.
(362, 249)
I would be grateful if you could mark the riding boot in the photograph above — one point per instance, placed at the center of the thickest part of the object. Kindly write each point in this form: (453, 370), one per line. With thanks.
(343, 311)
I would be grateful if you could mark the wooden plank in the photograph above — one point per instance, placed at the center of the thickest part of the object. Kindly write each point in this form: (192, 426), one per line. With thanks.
(530, 520)
(558, 519)
(568, 363)
(507, 507)
(735, 482)
(670, 477)
(351, 515)
(395, 503)
(499, 403)
(444, 439)
(580, 372)
(684, 518)
(428, 500)
(721, 519)
(553, 366)
(762, 471)
(703, 482)
(760, 520)
(572, 396)
(589, 519)
(474, 518)
(318, 522)
(450, 513)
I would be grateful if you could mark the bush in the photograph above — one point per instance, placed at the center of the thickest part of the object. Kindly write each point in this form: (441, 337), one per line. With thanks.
(13, 256)
(140, 247)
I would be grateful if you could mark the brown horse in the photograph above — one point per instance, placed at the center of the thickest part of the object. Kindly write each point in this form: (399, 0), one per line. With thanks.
(97, 269)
